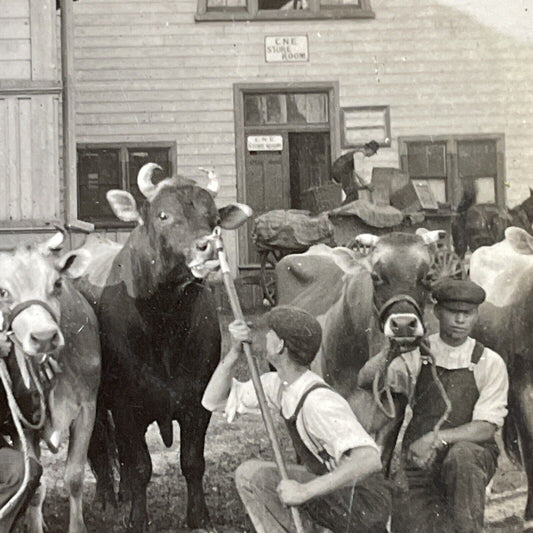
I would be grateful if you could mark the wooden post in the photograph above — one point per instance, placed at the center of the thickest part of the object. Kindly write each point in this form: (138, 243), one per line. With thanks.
(69, 109)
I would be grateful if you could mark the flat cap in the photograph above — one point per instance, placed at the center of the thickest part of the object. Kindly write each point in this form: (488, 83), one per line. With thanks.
(300, 331)
(458, 295)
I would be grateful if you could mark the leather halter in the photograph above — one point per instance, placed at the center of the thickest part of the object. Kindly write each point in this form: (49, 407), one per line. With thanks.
(394, 300)
(23, 306)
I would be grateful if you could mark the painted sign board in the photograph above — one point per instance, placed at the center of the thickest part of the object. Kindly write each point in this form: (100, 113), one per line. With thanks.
(264, 143)
(286, 48)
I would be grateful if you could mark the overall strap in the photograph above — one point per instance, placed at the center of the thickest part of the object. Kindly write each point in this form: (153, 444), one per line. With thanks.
(304, 396)
(477, 352)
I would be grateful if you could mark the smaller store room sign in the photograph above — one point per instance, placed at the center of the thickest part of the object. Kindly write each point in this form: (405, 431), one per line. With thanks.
(286, 49)
(264, 143)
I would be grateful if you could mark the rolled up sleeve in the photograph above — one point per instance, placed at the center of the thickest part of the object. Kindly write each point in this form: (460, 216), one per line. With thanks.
(493, 385)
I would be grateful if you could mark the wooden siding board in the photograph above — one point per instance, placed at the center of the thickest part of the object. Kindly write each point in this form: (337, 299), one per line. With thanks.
(43, 39)
(14, 9)
(25, 158)
(15, 49)
(13, 134)
(4, 169)
(15, 28)
(15, 69)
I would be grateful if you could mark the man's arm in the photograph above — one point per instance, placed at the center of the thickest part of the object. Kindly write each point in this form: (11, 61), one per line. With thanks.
(356, 465)
(372, 367)
(422, 452)
(219, 386)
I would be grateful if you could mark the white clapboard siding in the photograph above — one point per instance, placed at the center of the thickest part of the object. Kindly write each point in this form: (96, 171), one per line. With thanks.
(29, 185)
(147, 71)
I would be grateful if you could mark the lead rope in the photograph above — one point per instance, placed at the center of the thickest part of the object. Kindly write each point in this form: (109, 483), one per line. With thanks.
(390, 410)
(17, 417)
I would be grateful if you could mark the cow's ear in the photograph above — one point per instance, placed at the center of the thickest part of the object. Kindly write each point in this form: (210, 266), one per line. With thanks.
(520, 240)
(234, 215)
(73, 264)
(123, 205)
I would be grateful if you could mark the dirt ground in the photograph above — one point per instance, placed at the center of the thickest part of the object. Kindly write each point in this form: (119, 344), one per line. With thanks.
(226, 447)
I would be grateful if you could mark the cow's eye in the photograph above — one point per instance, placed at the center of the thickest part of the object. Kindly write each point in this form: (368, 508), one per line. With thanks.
(163, 216)
(58, 285)
(4, 293)
(376, 278)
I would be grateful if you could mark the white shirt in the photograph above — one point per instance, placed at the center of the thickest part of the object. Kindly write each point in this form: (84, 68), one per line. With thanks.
(363, 167)
(325, 421)
(490, 375)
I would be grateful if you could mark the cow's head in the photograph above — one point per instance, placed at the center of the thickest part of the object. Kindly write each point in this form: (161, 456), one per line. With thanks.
(399, 264)
(31, 280)
(177, 221)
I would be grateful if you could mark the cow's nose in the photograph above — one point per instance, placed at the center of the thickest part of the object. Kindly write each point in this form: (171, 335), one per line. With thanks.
(45, 340)
(403, 325)
(202, 244)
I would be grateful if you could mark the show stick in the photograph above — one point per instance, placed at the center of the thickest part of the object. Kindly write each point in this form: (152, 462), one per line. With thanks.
(254, 372)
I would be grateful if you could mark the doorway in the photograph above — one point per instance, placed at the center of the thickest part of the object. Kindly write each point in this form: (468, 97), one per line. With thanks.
(286, 138)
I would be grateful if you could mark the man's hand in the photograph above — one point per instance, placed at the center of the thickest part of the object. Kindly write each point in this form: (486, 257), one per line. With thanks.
(422, 452)
(239, 332)
(291, 492)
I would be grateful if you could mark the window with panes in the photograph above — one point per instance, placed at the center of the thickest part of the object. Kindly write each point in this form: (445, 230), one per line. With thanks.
(451, 165)
(282, 9)
(102, 167)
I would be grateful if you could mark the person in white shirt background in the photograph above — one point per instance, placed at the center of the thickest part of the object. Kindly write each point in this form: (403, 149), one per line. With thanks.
(447, 473)
(340, 485)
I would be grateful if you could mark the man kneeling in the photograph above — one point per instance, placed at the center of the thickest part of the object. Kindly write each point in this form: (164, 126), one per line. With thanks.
(340, 486)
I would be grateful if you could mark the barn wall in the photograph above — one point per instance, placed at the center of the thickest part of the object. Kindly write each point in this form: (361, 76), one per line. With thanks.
(146, 71)
(29, 108)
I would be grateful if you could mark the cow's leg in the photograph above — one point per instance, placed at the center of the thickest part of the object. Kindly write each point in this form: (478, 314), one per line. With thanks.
(136, 466)
(521, 396)
(80, 436)
(34, 514)
(193, 426)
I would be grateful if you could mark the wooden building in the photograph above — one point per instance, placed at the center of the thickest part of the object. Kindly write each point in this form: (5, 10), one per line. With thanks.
(268, 92)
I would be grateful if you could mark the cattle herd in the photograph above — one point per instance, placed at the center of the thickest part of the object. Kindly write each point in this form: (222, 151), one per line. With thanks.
(134, 334)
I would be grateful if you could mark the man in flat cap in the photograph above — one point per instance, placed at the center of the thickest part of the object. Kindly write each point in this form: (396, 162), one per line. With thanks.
(340, 485)
(447, 473)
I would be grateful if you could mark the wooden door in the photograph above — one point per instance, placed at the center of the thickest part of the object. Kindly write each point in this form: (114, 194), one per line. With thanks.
(267, 186)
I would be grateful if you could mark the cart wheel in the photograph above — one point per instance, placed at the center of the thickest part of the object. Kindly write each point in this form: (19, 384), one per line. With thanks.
(446, 264)
(269, 260)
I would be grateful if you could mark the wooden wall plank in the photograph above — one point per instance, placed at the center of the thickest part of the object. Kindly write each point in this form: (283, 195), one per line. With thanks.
(15, 49)
(43, 39)
(15, 28)
(40, 189)
(16, 69)
(15, 9)
(13, 155)
(25, 158)
(4, 183)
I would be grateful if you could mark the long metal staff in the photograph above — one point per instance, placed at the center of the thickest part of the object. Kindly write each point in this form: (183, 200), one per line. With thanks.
(256, 380)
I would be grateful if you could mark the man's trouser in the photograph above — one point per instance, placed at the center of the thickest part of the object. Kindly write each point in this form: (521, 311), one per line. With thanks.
(450, 497)
(365, 509)
(11, 477)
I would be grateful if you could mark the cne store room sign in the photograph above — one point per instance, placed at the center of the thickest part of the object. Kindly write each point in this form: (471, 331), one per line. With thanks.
(286, 48)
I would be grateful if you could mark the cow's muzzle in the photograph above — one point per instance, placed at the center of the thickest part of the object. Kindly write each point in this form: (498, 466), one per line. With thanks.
(402, 327)
(204, 260)
(33, 326)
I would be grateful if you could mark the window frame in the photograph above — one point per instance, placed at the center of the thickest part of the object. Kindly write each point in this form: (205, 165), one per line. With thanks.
(252, 12)
(453, 191)
(124, 178)
(385, 109)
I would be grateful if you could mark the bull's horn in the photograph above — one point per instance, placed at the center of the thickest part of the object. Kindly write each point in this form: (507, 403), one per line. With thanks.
(54, 243)
(144, 179)
(213, 184)
(367, 239)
